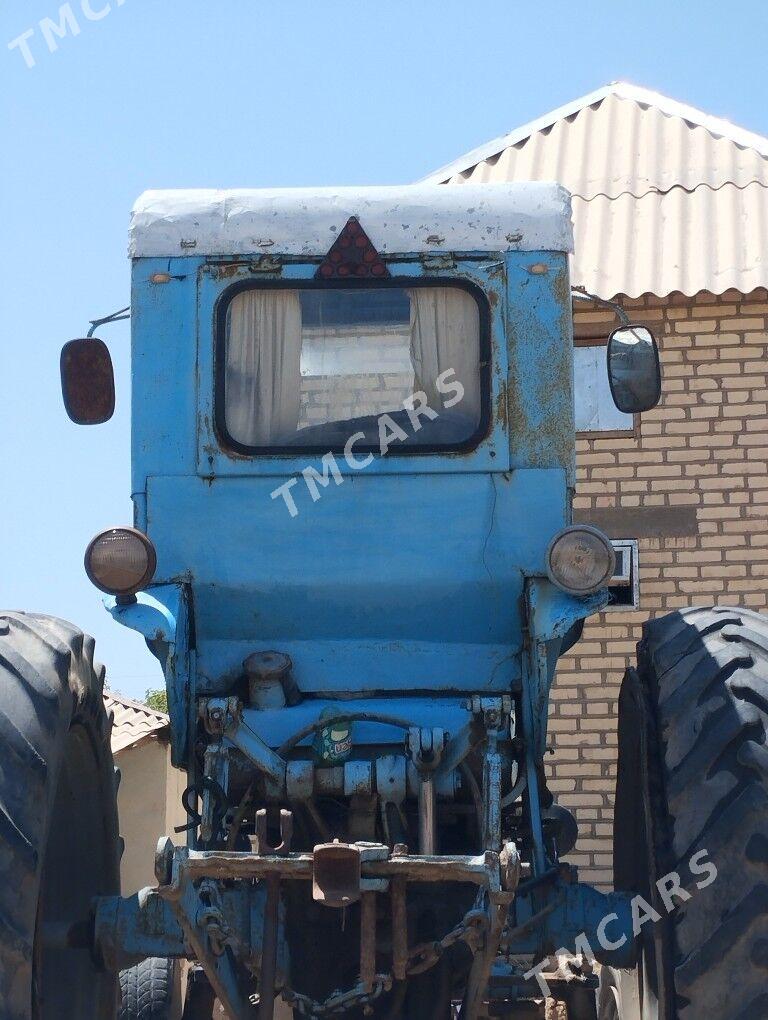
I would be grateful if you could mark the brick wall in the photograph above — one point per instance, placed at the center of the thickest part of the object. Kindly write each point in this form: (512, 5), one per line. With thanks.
(381, 385)
(692, 485)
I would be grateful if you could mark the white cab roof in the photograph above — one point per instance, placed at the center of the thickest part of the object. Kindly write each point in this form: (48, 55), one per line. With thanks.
(303, 221)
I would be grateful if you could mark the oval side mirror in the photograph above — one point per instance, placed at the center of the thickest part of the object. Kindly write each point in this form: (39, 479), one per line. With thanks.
(87, 381)
(634, 370)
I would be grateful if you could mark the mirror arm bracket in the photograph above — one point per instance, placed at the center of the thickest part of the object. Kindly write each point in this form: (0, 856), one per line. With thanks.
(582, 295)
(118, 316)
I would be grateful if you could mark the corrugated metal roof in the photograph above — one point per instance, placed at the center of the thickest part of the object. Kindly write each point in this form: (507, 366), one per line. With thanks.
(134, 722)
(682, 241)
(666, 197)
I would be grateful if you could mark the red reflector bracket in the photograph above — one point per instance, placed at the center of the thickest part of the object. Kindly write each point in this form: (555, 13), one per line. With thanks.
(352, 256)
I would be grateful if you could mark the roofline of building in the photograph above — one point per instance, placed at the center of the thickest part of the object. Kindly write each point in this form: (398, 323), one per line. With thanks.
(157, 735)
(717, 126)
(161, 717)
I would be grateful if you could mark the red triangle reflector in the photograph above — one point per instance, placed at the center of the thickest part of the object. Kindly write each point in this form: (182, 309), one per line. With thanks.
(352, 256)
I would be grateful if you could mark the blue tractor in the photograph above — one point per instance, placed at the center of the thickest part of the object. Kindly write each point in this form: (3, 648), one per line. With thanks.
(354, 557)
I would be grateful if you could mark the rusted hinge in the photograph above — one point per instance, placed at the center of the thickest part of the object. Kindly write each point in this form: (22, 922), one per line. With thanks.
(435, 262)
(266, 264)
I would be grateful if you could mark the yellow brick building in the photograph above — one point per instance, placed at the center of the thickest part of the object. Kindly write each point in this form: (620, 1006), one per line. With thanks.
(670, 214)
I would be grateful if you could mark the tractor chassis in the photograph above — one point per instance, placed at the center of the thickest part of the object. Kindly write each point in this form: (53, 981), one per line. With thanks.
(223, 909)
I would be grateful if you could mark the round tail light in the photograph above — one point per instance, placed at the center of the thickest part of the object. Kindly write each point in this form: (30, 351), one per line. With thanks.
(120, 561)
(580, 560)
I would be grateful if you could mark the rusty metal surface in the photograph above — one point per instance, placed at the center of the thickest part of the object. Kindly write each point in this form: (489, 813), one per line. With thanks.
(336, 874)
(87, 381)
(399, 929)
(260, 842)
(481, 870)
(368, 940)
(268, 969)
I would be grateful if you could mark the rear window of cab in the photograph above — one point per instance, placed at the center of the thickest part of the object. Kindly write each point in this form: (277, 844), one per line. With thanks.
(307, 368)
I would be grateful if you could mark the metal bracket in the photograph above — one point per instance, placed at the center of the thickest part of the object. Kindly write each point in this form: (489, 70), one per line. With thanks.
(216, 769)
(425, 747)
(497, 908)
(271, 927)
(497, 718)
(206, 930)
(496, 714)
(260, 843)
(164, 618)
(266, 264)
(392, 786)
(219, 714)
(224, 717)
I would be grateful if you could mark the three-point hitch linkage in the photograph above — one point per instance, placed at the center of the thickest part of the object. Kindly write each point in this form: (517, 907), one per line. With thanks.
(225, 908)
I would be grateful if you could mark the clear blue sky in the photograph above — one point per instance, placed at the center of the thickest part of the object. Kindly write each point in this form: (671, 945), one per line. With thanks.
(178, 93)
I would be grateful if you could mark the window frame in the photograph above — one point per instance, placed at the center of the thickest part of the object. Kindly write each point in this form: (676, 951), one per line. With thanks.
(632, 548)
(230, 444)
(601, 340)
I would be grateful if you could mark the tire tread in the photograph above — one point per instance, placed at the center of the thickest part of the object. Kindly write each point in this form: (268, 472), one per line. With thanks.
(47, 681)
(147, 990)
(706, 675)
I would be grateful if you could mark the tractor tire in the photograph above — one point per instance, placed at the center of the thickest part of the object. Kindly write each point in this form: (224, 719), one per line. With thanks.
(58, 822)
(149, 990)
(693, 780)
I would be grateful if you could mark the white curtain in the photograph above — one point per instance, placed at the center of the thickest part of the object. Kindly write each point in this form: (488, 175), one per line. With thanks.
(445, 334)
(263, 376)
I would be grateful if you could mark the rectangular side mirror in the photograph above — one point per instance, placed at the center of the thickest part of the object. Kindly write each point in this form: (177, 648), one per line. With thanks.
(87, 381)
(634, 370)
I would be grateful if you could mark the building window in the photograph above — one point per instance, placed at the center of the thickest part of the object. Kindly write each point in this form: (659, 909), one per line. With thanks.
(624, 586)
(594, 406)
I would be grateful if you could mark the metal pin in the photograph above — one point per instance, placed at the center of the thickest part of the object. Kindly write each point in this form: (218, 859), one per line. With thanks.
(399, 929)
(368, 939)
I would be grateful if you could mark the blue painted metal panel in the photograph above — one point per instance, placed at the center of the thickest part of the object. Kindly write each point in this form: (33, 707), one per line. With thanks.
(386, 583)
(275, 725)
(163, 372)
(356, 665)
(540, 342)
(551, 614)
